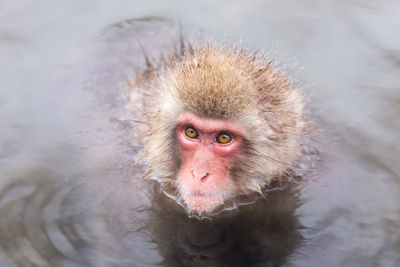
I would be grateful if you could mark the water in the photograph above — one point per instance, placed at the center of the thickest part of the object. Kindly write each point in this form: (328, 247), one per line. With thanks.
(68, 196)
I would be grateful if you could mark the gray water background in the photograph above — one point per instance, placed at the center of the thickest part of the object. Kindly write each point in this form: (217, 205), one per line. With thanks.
(64, 154)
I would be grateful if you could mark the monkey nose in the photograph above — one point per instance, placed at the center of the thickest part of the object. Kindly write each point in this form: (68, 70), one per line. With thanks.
(199, 175)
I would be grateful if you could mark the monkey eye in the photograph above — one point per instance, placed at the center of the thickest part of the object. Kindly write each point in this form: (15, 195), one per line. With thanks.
(224, 138)
(191, 132)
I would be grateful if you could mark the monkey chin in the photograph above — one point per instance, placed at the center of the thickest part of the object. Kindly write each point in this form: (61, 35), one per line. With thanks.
(203, 203)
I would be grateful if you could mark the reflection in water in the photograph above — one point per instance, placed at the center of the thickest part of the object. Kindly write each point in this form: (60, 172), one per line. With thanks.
(263, 234)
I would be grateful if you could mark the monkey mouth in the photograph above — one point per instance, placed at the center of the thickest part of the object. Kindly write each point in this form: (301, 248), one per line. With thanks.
(198, 202)
(198, 193)
(203, 203)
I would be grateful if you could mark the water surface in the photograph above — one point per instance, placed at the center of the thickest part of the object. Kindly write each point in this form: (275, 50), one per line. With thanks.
(68, 196)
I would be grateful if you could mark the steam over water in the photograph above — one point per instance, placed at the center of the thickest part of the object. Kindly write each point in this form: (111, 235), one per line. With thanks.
(68, 193)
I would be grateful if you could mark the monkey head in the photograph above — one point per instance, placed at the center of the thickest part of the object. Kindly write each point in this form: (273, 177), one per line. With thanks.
(223, 123)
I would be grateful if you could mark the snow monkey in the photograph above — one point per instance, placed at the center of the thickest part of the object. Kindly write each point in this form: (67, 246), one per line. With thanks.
(222, 123)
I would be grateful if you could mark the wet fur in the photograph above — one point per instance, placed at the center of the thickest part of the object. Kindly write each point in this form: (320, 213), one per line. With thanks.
(223, 82)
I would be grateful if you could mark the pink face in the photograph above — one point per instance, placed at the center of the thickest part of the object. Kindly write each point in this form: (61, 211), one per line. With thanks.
(208, 148)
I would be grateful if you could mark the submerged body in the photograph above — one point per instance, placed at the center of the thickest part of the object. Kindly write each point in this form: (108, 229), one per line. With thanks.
(222, 123)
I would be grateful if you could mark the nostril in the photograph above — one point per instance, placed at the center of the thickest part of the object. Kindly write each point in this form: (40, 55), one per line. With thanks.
(196, 175)
(204, 176)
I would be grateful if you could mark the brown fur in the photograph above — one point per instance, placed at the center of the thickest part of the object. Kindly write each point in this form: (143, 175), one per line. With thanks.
(222, 82)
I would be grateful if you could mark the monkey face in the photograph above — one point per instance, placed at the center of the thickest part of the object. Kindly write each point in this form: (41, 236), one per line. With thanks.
(223, 124)
(208, 147)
